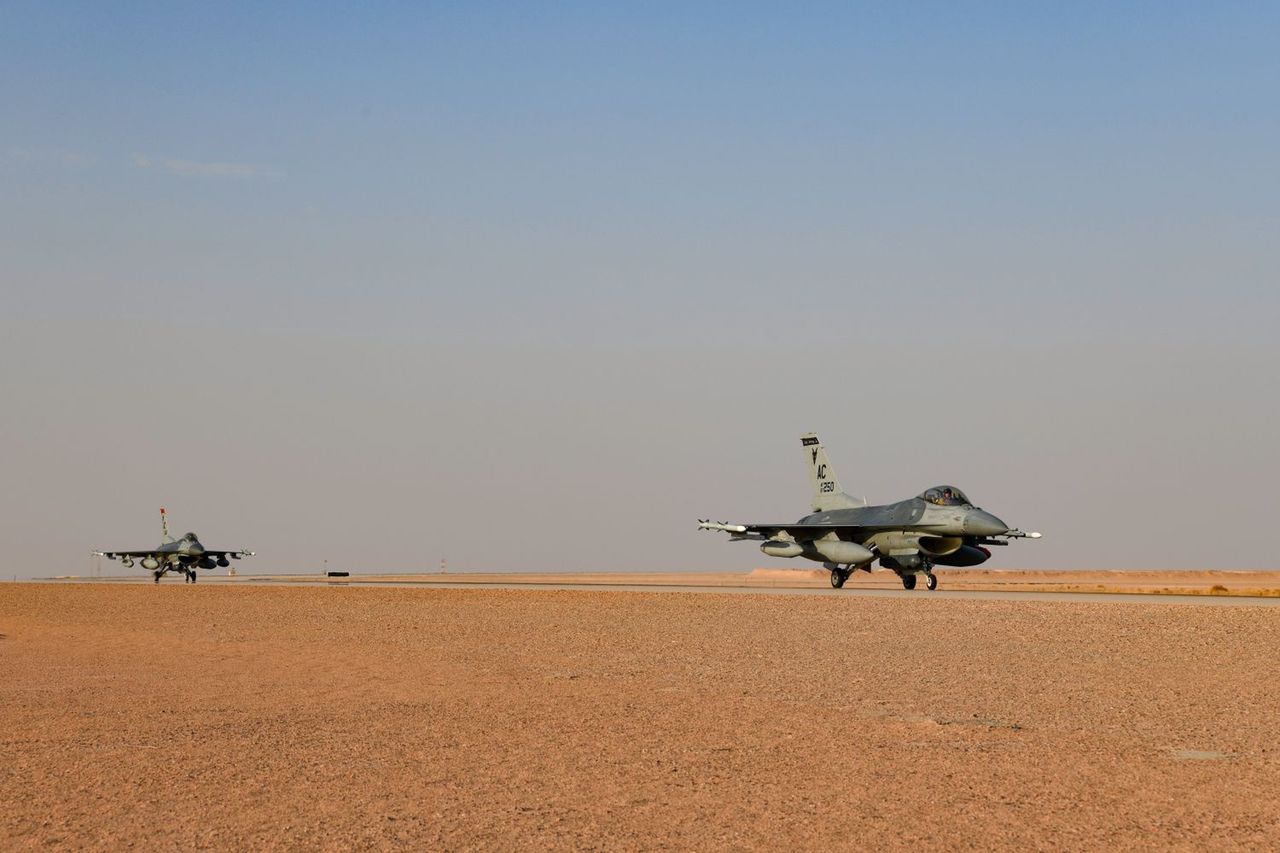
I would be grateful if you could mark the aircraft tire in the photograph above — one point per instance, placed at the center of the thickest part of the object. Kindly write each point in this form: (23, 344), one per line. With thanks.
(838, 577)
(909, 580)
(931, 581)
(157, 576)
(193, 576)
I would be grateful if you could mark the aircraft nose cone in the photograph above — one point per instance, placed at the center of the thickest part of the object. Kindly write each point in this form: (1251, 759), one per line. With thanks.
(980, 523)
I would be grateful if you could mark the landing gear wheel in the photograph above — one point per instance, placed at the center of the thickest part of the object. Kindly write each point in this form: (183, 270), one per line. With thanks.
(931, 581)
(838, 577)
(157, 576)
(909, 581)
(193, 577)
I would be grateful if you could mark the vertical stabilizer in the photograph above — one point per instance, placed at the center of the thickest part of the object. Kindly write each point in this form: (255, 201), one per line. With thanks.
(165, 538)
(827, 493)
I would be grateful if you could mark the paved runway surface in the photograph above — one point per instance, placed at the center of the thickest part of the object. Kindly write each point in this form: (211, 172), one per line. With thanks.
(969, 595)
(943, 594)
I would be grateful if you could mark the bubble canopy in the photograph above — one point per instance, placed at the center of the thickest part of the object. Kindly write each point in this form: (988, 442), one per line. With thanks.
(946, 496)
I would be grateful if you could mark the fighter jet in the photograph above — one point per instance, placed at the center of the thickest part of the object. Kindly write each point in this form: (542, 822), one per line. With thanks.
(941, 527)
(181, 555)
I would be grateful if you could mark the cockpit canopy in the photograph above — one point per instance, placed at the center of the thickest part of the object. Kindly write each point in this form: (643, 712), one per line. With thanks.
(946, 496)
(191, 537)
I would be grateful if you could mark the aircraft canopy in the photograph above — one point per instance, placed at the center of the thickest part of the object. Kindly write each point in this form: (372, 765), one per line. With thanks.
(946, 496)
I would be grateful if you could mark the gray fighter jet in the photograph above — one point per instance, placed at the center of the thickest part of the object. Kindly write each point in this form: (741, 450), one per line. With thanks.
(941, 527)
(175, 555)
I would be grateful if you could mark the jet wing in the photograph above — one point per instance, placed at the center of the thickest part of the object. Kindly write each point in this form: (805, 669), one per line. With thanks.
(802, 532)
(769, 531)
(111, 555)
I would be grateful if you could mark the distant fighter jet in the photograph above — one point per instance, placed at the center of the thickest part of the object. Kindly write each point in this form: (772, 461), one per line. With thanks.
(184, 555)
(939, 528)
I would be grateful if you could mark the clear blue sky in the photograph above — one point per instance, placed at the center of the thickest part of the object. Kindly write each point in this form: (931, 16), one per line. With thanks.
(373, 272)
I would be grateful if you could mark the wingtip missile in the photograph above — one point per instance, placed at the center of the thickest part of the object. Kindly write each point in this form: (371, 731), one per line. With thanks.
(708, 524)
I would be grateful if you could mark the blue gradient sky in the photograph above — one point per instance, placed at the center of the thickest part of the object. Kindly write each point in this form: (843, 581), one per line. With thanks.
(534, 286)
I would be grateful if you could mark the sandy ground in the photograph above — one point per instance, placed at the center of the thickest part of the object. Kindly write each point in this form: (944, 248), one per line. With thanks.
(271, 717)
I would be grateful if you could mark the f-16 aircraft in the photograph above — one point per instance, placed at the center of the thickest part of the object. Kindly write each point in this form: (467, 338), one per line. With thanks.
(175, 555)
(941, 527)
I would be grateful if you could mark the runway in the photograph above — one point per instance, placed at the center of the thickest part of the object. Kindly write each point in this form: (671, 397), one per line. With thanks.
(946, 595)
(1131, 598)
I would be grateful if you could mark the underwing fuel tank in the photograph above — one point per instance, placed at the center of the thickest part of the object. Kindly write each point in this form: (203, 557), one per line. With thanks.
(848, 553)
(825, 550)
(150, 563)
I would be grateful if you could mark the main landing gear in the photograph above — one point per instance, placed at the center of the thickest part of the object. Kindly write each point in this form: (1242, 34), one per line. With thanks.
(190, 576)
(157, 576)
(909, 579)
(930, 581)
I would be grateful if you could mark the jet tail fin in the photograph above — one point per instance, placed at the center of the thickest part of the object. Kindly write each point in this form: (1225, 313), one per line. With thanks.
(164, 528)
(827, 493)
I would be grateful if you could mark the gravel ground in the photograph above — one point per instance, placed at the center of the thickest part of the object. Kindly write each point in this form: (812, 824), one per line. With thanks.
(318, 717)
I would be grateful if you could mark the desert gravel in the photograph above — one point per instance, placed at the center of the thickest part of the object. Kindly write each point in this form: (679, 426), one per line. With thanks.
(338, 718)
